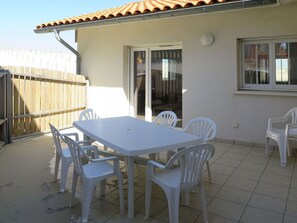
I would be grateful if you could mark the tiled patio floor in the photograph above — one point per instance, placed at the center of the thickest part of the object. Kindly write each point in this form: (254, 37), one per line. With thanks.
(246, 187)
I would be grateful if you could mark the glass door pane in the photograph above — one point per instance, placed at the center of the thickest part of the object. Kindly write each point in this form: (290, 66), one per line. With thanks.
(139, 90)
(166, 82)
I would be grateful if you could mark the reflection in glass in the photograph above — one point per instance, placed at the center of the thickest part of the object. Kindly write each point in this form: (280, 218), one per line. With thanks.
(285, 63)
(256, 63)
(139, 83)
(166, 82)
(250, 64)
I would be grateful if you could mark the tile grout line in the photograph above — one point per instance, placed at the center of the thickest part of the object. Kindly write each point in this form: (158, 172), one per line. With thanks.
(215, 195)
(289, 191)
(247, 205)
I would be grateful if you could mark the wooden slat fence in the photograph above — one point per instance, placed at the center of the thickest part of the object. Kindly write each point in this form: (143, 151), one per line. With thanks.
(40, 96)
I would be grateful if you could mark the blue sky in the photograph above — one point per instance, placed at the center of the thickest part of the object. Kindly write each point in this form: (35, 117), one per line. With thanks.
(18, 19)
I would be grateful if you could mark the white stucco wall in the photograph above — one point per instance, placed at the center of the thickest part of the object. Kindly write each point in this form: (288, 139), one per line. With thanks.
(210, 74)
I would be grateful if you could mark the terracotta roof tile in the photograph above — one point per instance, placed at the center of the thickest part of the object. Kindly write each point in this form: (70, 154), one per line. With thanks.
(130, 9)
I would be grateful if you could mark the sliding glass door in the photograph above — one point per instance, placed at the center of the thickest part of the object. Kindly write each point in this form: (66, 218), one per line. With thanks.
(156, 82)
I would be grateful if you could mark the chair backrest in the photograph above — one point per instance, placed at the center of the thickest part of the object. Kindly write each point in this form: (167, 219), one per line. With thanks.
(58, 139)
(166, 118)
(202, 127)
(293, 113)
(75, 151)
(88, 114)
(191, 161)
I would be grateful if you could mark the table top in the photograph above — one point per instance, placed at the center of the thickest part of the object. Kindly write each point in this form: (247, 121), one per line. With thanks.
(134, 137)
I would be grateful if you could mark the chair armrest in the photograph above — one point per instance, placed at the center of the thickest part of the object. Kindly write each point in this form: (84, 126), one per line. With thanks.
(71, 134)
(277, 120)
(84, 142)
(105, 159)
(115, 159)
(155, 164)
(89, 147)
(151, 165)
(292, 125)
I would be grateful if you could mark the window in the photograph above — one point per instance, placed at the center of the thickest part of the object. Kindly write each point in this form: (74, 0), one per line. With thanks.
(269, 64)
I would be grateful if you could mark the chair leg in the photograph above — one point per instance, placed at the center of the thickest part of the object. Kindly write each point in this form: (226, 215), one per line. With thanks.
(172, 195)
(148, 191)
(208, 171)
(64, 171)
(58, 158)
(87, 192)
(126, 163)
(101, 187)
(267, 146)
(288, 148)
(121, 192)
(282, 145)
(203, 202)
(186, 199)
(74, 184)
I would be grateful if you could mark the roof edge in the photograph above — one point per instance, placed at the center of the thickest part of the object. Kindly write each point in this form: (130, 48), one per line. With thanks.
(227, 6)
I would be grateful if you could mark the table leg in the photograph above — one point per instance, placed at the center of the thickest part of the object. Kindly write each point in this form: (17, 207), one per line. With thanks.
(130, 170)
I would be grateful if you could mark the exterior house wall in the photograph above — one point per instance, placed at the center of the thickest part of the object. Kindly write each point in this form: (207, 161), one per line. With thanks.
(210, 74)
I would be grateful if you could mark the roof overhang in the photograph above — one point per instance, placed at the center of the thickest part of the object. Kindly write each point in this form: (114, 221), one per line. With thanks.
(227, 6)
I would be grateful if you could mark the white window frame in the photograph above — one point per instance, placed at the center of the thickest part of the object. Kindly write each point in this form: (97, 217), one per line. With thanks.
(272, 86)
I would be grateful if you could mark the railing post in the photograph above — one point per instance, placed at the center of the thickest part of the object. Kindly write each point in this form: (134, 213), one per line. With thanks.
(4, 107)
(8, 106)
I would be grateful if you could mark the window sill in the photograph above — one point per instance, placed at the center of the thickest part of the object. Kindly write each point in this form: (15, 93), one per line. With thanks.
(265, 93)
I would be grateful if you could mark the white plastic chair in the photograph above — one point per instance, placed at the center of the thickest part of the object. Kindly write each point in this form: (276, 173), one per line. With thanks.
(282, 130)
(88, 114)
(63, 154)
(92, 174)
(165, 118)
(206, 129)
(173, 180)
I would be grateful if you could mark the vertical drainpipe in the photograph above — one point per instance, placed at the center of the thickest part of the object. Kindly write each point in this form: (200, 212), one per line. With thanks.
(78, 58)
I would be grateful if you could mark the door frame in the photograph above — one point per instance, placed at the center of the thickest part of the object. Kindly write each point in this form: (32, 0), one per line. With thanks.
(148, 84)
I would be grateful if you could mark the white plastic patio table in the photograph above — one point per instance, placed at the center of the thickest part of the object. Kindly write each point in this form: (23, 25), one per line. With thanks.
(134, 137)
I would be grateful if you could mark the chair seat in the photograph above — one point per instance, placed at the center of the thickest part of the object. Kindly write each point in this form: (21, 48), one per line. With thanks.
(97, 169)
(277, 132)
(293, 132)
(170, 178)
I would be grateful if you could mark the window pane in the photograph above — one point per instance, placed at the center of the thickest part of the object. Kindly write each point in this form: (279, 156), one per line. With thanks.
(293, 63)
(286, 63)
(281, 63)
(256, 63)
(263, 63)
(250, 64)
